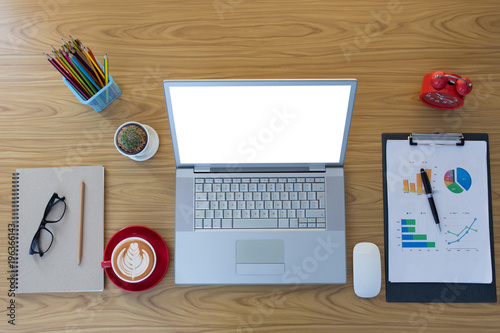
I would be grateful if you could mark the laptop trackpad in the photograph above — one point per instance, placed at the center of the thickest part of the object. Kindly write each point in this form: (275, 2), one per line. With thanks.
(260, 257)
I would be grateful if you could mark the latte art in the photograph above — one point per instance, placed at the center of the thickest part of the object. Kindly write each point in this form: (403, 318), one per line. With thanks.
(133, 260)
(133, 263)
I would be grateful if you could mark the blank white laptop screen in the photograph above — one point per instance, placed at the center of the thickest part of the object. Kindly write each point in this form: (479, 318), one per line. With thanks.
(259, 124)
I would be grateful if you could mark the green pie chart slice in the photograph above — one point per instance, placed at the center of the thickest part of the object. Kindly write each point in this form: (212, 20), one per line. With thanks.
(455, 188)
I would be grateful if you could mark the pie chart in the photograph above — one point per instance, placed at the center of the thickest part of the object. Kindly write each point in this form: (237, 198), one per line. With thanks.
(457, 180)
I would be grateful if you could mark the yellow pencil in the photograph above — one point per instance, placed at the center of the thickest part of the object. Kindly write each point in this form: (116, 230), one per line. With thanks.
(106, 68)
(73, 42)
(98, 69)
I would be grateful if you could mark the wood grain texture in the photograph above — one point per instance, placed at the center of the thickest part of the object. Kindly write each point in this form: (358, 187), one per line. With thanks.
(387, 45)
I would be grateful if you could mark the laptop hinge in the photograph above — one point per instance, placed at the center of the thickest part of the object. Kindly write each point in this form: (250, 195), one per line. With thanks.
(207, 169)
(317, 168)
(201, 169)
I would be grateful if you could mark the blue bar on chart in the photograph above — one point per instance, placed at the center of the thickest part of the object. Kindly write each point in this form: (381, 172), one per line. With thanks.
(407, 221)
(418, 244)
(414, 237)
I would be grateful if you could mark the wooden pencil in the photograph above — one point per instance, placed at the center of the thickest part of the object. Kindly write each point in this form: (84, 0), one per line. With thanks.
(106, 68)
(95, 61)
(80, 228)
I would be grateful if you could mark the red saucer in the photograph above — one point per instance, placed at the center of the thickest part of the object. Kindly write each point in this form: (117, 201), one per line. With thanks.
(162, 257)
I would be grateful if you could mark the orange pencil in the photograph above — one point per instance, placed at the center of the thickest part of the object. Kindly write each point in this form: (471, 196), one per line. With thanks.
(91, 61)
(95, 61)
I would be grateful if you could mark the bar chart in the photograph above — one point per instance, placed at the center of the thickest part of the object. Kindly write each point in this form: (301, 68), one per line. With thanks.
(413, 237)
(416, 185)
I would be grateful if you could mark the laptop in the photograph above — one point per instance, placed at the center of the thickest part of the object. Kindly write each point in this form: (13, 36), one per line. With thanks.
(259, 191)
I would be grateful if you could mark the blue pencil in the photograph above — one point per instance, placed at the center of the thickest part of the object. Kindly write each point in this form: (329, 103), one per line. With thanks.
(72, 57)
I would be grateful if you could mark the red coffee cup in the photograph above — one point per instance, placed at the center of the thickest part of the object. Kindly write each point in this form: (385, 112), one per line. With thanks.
(148, 280)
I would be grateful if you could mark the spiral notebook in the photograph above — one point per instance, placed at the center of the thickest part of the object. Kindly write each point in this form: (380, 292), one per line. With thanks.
(58, 269)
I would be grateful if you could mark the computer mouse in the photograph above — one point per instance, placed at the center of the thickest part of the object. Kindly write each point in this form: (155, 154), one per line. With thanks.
(367, 271)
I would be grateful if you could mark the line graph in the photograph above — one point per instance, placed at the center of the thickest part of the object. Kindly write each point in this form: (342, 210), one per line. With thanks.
(464, 229)
(467, 230)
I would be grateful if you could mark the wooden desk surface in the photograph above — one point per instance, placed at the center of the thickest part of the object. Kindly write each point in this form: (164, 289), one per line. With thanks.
(387, 45)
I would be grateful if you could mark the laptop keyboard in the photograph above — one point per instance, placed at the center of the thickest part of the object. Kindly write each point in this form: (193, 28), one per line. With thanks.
(256, 203)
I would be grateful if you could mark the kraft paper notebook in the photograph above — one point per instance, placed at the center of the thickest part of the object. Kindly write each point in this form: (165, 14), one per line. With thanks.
(452, 261)
(58, 269)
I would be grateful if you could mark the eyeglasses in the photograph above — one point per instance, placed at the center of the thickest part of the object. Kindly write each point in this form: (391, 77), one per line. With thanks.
(54, 212)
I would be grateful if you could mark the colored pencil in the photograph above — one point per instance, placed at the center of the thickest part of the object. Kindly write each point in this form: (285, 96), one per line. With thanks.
(106, 68)
(64, 43)
(87, 68)
(106, 73)
(74, 49)
(75, 77)
(75, 74)
(74, 42)
(69, 76)
(80, 74)
(88, 57)
(90, 66)
(78, 65)
(94, 62)
(70, 80)
(85, 74)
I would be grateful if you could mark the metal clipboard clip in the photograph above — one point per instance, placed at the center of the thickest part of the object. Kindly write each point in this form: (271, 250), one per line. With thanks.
(436, 139)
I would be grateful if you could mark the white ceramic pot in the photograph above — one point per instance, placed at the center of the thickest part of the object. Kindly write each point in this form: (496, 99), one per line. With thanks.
(152, 144)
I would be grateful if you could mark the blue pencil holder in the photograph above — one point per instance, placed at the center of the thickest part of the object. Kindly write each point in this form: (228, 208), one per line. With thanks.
(103, 97)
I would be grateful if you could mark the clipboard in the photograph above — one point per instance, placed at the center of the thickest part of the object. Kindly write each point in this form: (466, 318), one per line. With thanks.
(423, 264)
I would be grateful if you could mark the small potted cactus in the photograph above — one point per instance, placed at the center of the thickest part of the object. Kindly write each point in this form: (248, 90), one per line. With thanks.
(137, 141)
(131, 138)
